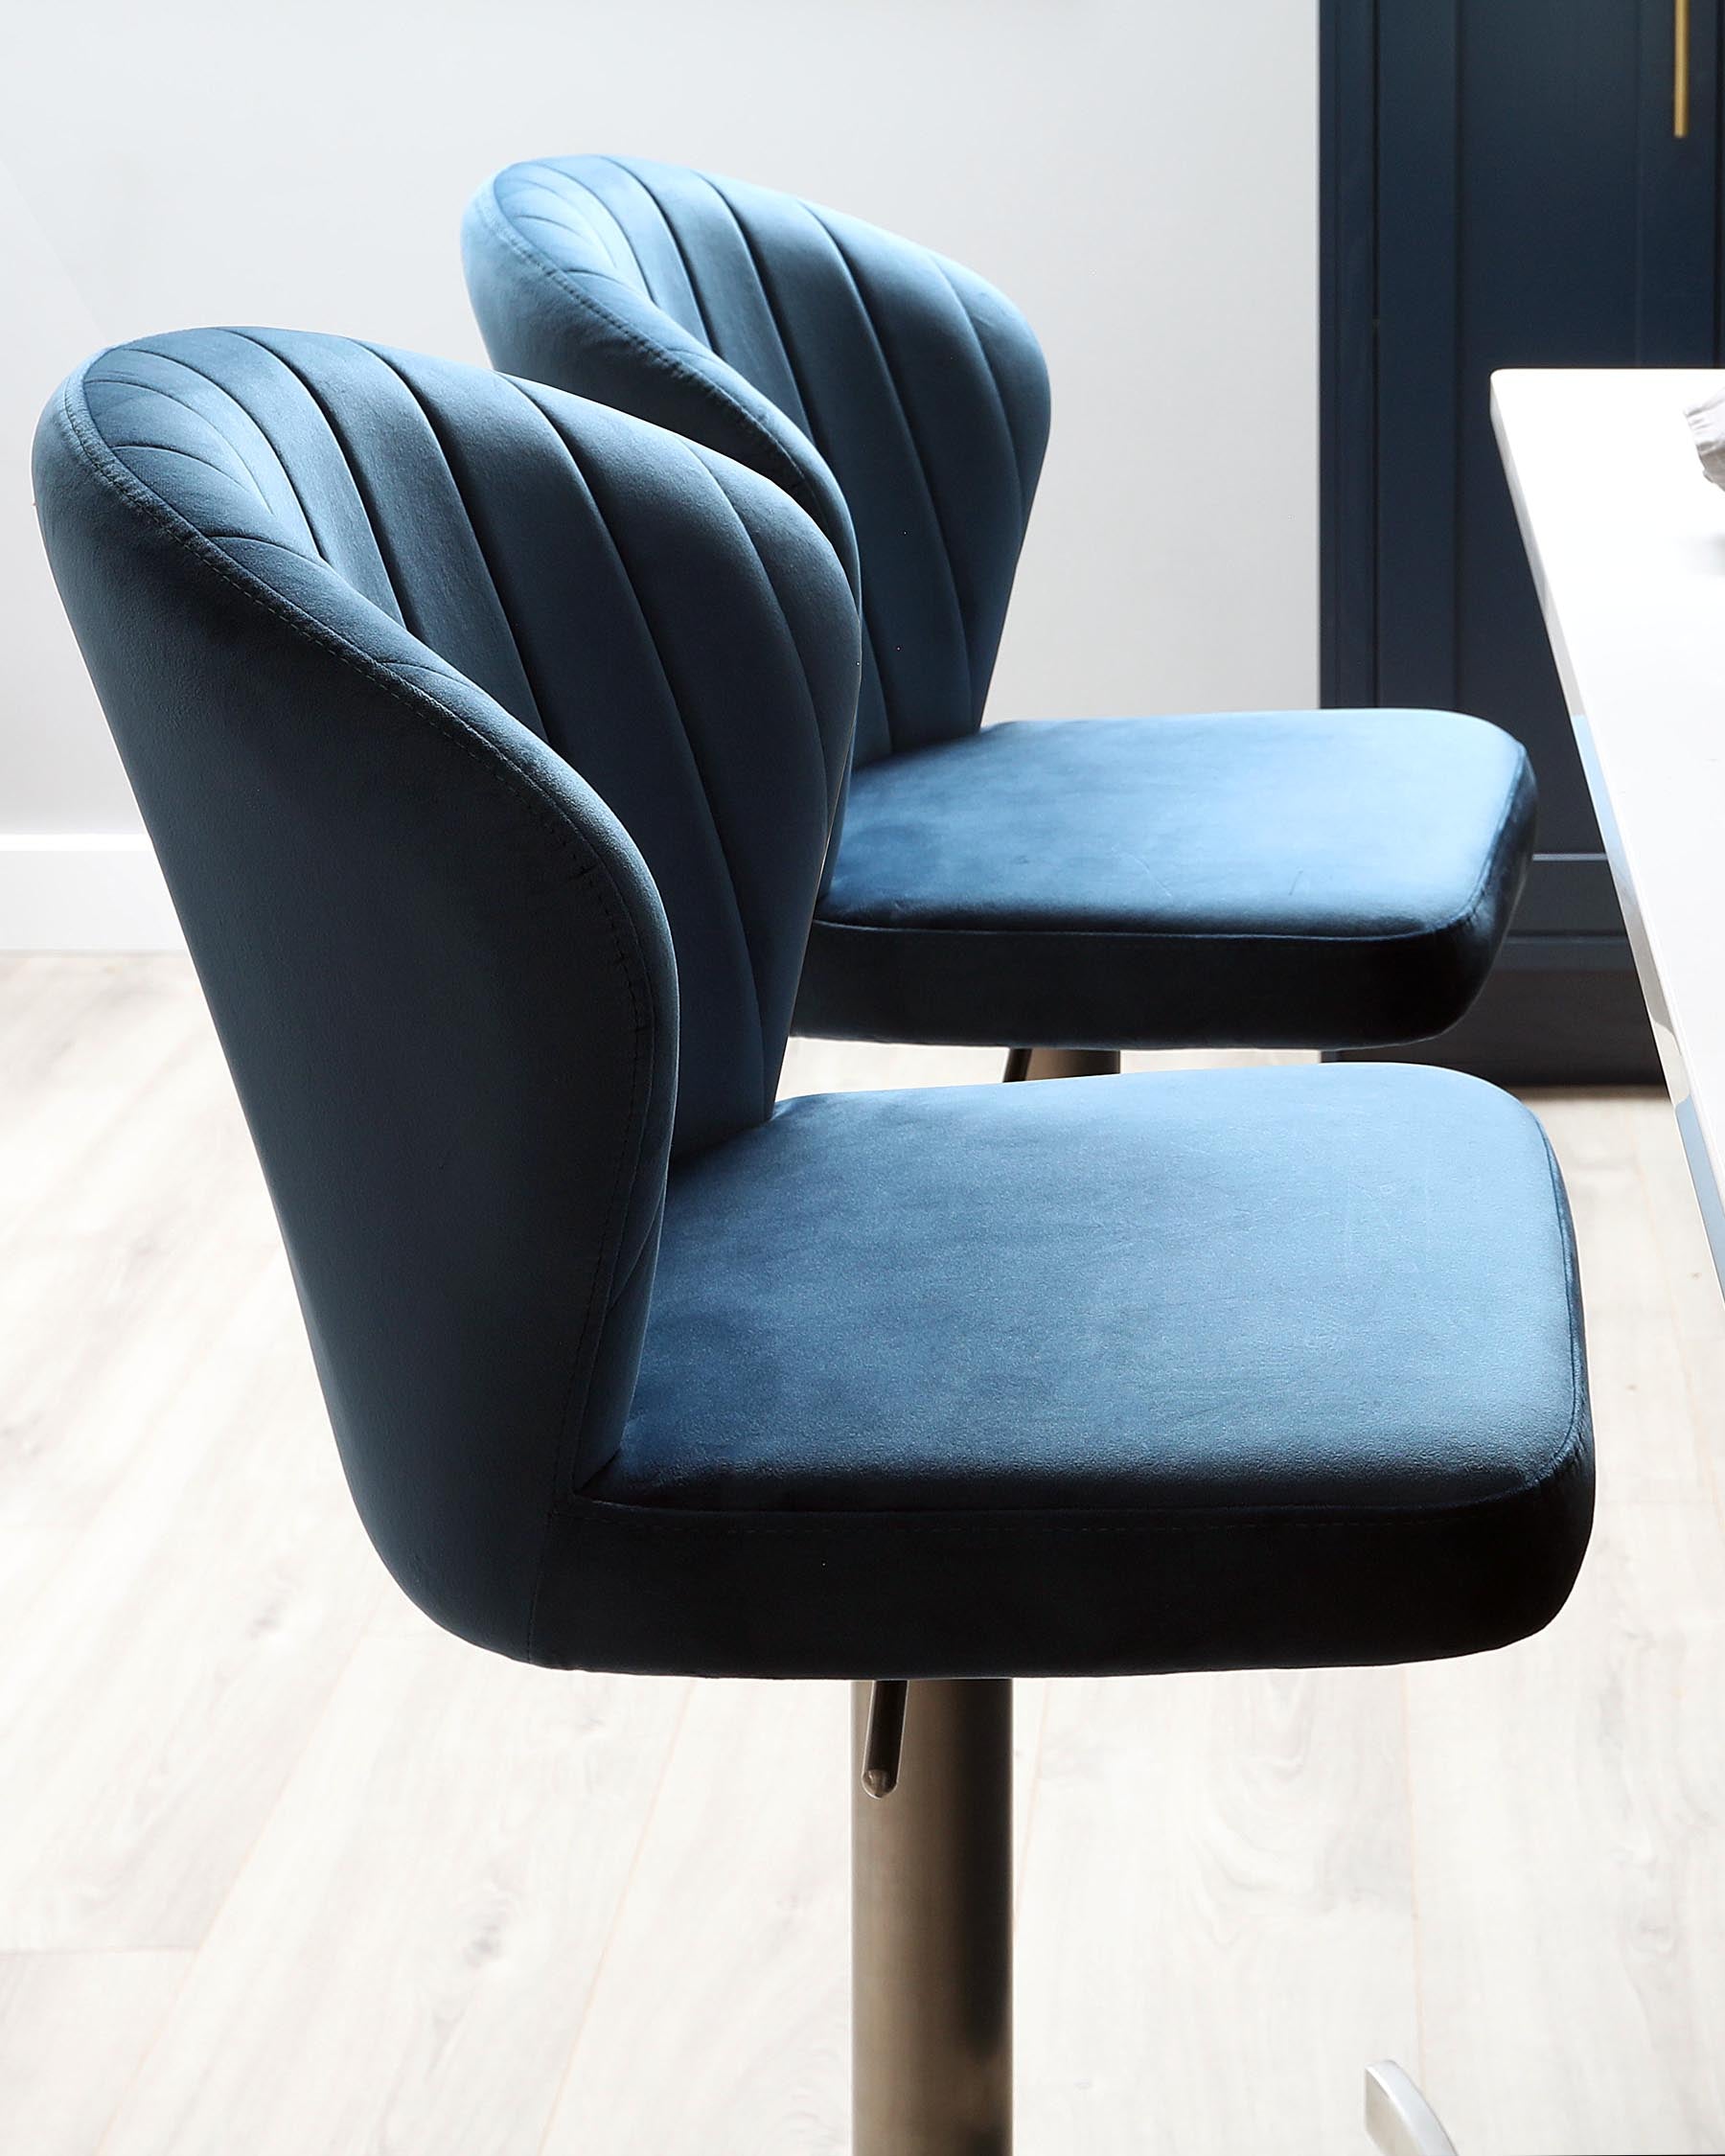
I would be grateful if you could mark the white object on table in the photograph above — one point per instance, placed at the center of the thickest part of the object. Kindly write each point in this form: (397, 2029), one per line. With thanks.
(1626, 539)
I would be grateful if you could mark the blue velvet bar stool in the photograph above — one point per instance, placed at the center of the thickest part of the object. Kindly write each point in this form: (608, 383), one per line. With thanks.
(1317, 880)
(491, 742)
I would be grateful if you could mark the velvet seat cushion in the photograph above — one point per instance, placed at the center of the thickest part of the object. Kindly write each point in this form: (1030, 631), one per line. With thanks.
(1327, 879)
(1265, 1367)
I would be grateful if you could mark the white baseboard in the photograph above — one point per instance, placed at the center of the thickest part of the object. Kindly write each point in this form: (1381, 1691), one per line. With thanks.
(83, 891)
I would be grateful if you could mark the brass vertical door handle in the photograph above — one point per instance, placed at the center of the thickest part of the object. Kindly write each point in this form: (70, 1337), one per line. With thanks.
(1680, 69)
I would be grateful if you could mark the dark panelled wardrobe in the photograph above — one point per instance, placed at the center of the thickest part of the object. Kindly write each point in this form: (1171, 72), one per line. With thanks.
(1506, 183)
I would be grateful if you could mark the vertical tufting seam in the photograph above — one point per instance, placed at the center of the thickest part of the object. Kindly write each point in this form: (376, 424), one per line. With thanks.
(749, 539)
(828, 777)
(800, 419)
(561, 194)
(777, 463)
(258, 539)
(190, 456)
(706, 797)
(923, 468)
(775, 314)
(525, 391)
(479, 546)
(207, 418)
(378, 524)
(617, 165)
(155, 389)
(361, 492)
(872, 665)
(999, 393)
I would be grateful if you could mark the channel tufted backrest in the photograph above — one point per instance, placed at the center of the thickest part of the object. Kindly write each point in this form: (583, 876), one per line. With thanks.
(476, 728)
(814, 347)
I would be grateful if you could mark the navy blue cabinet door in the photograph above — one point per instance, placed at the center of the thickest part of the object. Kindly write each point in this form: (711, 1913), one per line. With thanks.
(1505, 184)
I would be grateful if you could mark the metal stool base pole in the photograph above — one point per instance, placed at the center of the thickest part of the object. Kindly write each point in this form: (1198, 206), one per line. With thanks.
(931, 1919)
(1060, 1062)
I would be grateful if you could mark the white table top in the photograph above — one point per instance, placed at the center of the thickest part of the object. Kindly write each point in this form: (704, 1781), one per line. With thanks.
(1626, 535)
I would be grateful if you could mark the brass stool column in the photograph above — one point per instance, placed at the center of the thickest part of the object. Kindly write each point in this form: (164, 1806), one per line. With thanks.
(932, 1918)
(1061, 1062)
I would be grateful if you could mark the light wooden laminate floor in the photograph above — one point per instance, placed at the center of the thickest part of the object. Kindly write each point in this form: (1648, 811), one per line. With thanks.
(284, 1872)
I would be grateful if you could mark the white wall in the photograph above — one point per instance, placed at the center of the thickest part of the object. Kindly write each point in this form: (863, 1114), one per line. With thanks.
(1139, 175)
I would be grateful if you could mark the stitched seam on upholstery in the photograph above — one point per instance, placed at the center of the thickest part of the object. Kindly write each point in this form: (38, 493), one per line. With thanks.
(510, 777)
(362, 493)
(154, 389)
(1344, 937)
(917, 451)
(701, 455)
(1432, 932)
(778, 318)
(528, 403)
(617, 165)
(979, 1524)
(1572, 1273)
(560, 227)
(700, 780)
(612, 269)
(620, 1287)
(479, 548)
(775, 314)
(553, 178)
(988, 368)
(380, 674)
(788, 473)
(768, 1089)
(749, 538)
(190, 456)
(441, 673)
(588, 272)
(1488, 868)
(564, 1465)
(210, 383)
(281, 546)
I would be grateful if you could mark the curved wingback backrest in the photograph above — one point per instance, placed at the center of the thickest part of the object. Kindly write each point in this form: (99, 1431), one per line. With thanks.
(471, 722)
(815, 347)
